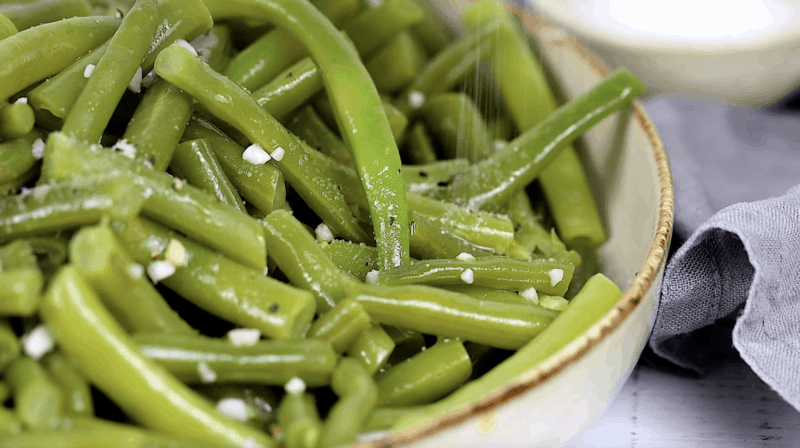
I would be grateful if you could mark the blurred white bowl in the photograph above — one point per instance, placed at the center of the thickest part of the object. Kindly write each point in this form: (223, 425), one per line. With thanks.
(741, 52)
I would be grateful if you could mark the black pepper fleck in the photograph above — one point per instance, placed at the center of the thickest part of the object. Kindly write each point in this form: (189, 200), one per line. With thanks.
(273, 308)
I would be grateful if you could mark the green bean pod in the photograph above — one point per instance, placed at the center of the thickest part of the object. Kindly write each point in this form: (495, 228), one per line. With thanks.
(27, 15)
(309, 126)
(16, 120)
(195, 161)
(68, 204)
(74, 387)
(354, 259)
(231, 103)
(178, 19)
(261, 401)
(532, 235)
(341, 325)
(265, 362)
(120, 282)
(301, 259)
(7, 27)
(490, 294)
(426, 178)
(397, 64)
(38, 401)
(10, 424)
(548, 276)
(20, 291)
(426, 376)
(214, 47)
(25, 59)
(407, 343)
(290, 89)
(435, 311)
(372, 347)
(431, 241)
(9, 345)
(85, 432)
(222, 286)
(419, 149)
(377, 26)
(299, 420)
(93, 109)
(182, 207)
(358, 396)
(458, 124)
(112, 362)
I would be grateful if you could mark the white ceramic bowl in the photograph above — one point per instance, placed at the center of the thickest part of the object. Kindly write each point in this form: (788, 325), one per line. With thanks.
(553, 402)
(754, 68)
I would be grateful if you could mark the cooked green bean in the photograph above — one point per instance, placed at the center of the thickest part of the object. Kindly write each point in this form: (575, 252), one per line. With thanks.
(194, 161)
(361, 121)
(214, 47)
(341, 325)
(431, 241)
(358, 396)
(435, 311)
(397, 64)
(10, 425)
(378, 26)
(112, 362)
(16, 120)
(16, 156)
(265, 362)
(309, 126)
(261, 401)
(178, 19)
(182, 207)
(222, 286)
(9, 345)
(299, 420)
(458, 125)
(355, 259)
(102, 433)
(25, 58)
(372, 347)
(27, 15)
(426, 376)
(290, 89)
(397, 121)
(419, 149)
(305, 264)
(426, 178)
(432, 32)
(20, 291)
(68, 204)
(234, 105)
(114, 72)
(38, 401)
(490, 294)
(74, 387)
(407, 343)
(7, 27)
(121, 284)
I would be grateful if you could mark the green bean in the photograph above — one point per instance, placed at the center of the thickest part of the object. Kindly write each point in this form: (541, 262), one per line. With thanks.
(178, 19)
(276, 50)
(182, 207)
(432, 32)
(310, 127)
(435, 311)
(341, 325)
(428, 177)
(430, 241)
(120, 282)
(361, 122)
(195, 161)
(7, 27)
(397, 64)
(532, 235)
(407, 343)
(10, 424)
(75, 388)
(358, 396)
(222, 286)
(490, 294)
(301, 259)
(547, 276)
(553, 303)
(372, 347)
(114, 72)
(17, 254)
(68, 204)
(158, 123)
(214, 47)
(13, 186)
(426, 376)
(354, 259)
(27, 15)
(299, 421)
(26, 59)
(397, 121)
(265, 362)
(290, 89)
(16, 156)
(20, 291)
(261, 401)
(457, 123)
(262, 186)
(50, 253)
(596, 298)
(419, 148)
(9, 345)
(377, 26)
(113, 363)
(16, 120)
(108, 434)
(384, 418)
(491, 182)
(494, 232)
(37, 399)
(178, 66)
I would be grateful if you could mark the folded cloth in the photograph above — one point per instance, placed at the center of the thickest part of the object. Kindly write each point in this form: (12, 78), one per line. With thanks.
(737, 231)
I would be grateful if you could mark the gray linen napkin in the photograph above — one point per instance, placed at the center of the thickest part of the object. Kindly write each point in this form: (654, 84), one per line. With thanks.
(737, 228)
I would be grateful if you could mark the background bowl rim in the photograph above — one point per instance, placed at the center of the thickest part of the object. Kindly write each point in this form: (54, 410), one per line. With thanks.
(631, 297)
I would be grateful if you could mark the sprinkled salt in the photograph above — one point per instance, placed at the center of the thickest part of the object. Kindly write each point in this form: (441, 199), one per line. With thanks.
(234, 408)
(468, 276)
(244, 336)
(37, 149)
(556, 275)
(416, 99)
(324, 233)
(127, 149)
(464, 256)
(531, 295)
(278, 153)
(295, 386)
(500, 144)
(206, 374)
(38, 342)
(136, 81)
(87, 72)
(176, 253)
(255, 155)
(135, 270)
(186, 45)
(159, 270)
(21, 100)
(177, 184)
(266, 271)
(372, 277)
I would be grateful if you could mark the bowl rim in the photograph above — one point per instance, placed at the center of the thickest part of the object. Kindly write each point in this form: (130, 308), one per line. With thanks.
(631, 298)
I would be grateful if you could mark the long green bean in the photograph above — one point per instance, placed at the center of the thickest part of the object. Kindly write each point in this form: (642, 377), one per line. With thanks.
(309, 126)
(28, 15)
(196, 162)
(355, 259)
(290, 89)
(431, 241)
(299, 420)
(377, 26)
(458, 125)
(397, 64)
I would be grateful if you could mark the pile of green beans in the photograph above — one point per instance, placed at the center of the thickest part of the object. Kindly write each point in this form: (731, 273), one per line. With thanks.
(353, 222)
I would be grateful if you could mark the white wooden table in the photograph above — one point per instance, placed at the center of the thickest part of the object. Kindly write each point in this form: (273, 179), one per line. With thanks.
(729, 407)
